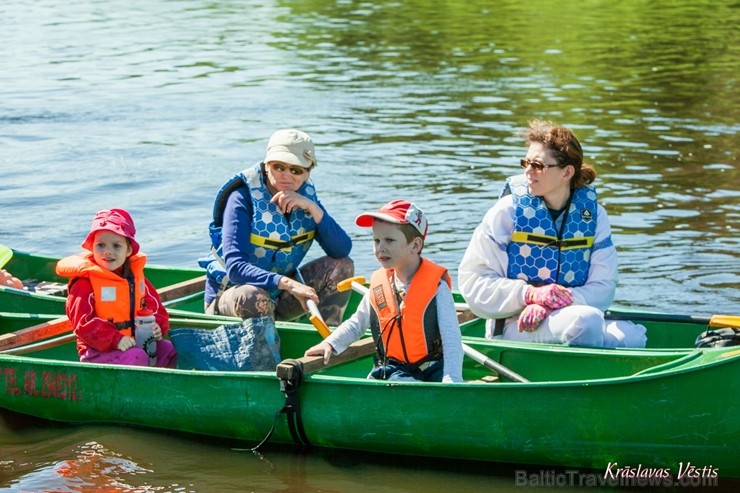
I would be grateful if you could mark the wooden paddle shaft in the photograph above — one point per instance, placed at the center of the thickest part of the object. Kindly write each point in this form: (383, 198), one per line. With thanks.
(493, 365)
(310, 364)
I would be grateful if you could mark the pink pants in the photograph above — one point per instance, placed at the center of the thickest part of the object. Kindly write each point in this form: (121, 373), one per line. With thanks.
(166, 356)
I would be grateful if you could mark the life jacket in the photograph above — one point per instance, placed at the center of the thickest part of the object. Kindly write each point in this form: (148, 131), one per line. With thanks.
(116, 300)
(278, 243)
(408, 333)
(542, 251)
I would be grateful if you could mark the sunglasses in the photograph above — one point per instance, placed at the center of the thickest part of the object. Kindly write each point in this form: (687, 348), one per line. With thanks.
(536, 165)
(294, 170)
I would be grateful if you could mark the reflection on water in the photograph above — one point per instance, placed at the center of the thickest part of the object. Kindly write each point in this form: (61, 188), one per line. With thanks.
(153, 106)
(92, 459)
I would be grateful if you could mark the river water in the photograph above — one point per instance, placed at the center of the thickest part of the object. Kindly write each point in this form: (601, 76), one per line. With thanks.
(151, 106)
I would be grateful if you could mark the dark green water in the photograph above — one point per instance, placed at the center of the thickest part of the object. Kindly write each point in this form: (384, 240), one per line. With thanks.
(152, 105)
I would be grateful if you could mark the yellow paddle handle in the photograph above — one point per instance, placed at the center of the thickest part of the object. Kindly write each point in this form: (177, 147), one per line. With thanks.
(724, 321)
(320, 326)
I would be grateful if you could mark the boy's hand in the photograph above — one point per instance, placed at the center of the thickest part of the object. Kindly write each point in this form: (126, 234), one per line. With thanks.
(553, 296)
(531, 318)
(321, 349)
(126, 343)
(157, 332)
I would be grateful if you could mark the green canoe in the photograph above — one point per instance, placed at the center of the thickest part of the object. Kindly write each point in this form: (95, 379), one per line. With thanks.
(664, 330)
(45, 292)
(593, 409)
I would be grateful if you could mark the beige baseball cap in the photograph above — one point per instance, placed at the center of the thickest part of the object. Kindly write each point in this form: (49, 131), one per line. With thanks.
(292, 147)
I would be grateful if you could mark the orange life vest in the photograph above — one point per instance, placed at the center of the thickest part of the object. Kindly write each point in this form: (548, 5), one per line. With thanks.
(113, 300)
(408, 333)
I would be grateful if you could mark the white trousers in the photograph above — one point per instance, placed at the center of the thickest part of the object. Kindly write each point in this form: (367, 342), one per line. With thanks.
(577, 325)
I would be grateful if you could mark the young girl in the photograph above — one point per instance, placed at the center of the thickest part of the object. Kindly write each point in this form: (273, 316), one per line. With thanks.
(106, 288)
(409, 307)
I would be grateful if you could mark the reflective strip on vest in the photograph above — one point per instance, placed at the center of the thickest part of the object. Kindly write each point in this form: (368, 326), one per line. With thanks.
(280, 244)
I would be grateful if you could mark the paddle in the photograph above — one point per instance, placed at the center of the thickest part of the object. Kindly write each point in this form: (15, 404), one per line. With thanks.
(713, 321)
(315, 318)
(62, 324)
(35, 333)
(358, 284)
(5, 255)
(181, 289)
(309, 364)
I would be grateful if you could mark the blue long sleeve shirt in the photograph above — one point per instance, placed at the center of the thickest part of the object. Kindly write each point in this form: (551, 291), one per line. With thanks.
(237, 228)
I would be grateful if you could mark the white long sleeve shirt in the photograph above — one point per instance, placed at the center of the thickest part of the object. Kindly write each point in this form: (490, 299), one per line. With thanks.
(482, 273)
(354, 327)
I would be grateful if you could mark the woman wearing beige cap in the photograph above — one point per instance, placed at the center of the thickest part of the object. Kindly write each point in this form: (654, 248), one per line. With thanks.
(265, 219)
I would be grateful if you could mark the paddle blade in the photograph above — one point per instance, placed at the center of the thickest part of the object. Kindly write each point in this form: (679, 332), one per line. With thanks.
(724, 321)
(5, 255)
(320, 326)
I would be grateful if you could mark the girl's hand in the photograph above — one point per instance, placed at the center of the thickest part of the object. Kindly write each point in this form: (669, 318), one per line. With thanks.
(321, 349)
(157, 331)
(126, 343)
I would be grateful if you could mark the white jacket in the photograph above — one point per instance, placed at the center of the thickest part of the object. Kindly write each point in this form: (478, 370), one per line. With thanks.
(482, 273)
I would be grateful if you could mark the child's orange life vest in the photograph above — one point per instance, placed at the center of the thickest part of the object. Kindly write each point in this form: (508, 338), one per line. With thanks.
(113, 297)
(413, 337)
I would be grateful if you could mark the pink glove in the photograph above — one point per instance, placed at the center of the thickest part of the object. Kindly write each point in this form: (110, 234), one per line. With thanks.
(531, 318)
(553, 296)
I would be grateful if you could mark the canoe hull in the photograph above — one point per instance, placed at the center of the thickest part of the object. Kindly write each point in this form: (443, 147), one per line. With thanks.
(660, 417)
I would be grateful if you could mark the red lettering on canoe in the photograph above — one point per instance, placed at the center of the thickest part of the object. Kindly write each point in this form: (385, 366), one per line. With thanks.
(29, 383)
(59, 386)
(11, 381)
(53, 385)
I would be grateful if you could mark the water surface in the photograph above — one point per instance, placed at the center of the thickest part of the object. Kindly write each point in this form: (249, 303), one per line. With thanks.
(152, 105)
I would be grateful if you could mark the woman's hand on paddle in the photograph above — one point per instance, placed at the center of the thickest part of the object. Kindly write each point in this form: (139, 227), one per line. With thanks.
(126, 343)
(531, 318)
(321, 349)
(553, 296)
(300, 291)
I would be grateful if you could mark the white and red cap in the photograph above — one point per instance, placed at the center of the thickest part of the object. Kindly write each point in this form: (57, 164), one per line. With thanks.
(398, 212)
(118, 221)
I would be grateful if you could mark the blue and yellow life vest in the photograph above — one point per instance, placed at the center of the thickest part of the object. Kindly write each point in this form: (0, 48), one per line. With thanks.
(278, 243)
(537, 252)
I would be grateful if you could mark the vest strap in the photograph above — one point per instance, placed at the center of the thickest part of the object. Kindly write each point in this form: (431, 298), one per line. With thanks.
(281, 245)
(568, 243)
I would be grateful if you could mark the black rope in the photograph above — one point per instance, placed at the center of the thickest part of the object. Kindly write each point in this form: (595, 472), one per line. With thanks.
(291, 408)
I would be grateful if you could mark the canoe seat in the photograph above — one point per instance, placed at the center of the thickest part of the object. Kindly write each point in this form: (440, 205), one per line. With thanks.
(45, 287)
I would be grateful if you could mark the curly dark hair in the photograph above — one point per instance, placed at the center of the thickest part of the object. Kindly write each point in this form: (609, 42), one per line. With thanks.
(564, 146)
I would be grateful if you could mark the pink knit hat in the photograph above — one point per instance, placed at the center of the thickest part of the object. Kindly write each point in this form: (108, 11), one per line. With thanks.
(116, 220)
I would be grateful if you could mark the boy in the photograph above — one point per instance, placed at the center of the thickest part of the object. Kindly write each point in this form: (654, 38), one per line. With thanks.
(409, 307)
(102, 283)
